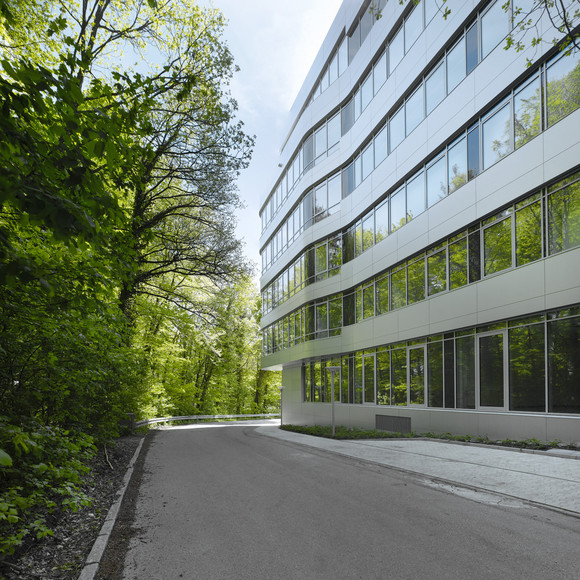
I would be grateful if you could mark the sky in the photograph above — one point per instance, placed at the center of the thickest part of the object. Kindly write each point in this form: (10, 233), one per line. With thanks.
(274, 44)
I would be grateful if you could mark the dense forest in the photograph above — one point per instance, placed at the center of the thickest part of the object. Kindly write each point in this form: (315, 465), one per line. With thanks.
(122, 285)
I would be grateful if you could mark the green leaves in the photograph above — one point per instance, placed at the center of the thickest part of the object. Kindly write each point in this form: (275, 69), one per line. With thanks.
(5, 459)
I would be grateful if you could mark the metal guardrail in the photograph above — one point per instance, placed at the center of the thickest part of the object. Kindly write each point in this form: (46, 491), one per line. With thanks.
(200, 417)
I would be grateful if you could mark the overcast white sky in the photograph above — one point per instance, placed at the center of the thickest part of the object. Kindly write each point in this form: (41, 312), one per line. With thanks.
(274, 44)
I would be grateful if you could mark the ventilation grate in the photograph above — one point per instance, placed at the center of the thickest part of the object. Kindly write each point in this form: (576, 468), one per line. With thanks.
(392, 423)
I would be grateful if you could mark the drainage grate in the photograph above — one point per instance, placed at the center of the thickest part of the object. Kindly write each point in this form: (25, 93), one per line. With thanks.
(393, 423)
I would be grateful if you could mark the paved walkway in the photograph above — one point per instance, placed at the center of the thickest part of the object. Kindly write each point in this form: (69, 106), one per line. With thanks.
(550, 479)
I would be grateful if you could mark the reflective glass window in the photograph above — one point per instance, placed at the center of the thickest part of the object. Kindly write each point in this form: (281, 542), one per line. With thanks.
(416, 281)
(436, 181)
(473, 153)
(435, 374)
(465, 372)
(398, 209)
(457, 165)
(366, 23)
(358, 239)
(529, 233)
(564, 219)
(335, 316)
(472, 47)
(437, 272)
(496, 136)
(380, 72)
(333, 68)
(334, 255)
(334, 190)
(455, 65)
(321, 320)
(380, 146)
(368, 301)
(383, 371)
(416, 196)
(347, 180)
(320, 142)
(367, 161)
(458, 263)
(413, 26)
(325, 80)
(396, 50)
(382, 294)
(414, 110)
(357, 105)
(563, 87)
(366, 92)
(399, 376)
(347, 117)
(357, 171)
(497, 247)
(333, 131)
(320, 200)
(527, 104)
(308, 153)
(343, 56)
(431, 8)
(353, 43)
(382, 221)
(399, 288)
(368, 231)
(435, 88)
(494, 27)
(396, 129)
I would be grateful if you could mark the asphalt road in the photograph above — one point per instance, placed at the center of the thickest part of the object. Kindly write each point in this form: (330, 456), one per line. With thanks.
(227, 503)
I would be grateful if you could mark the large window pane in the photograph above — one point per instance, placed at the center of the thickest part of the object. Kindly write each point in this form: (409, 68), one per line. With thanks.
(436, 182)
(399, 288)
(399, 376)
(380, 146)
(380, 72)
(416, 281)
(417, 376)
(383, 363)
(320, 142)
(563, 79)
(416, 196)
(366, 92)
(413, 26)
(491, 367)
(527, 105)
(398, 209)
(369, 301)
(335, 315)
(367, 161)
(382, 295)
(529, 233)
(435, 88)
(334, 191)
(458, 263)
(497, 141)
(368, 231)
(431, 8)
(320, 201)
(472, 47)
(382, 221)
(347, 180)
(396, 50)
(494, 27)
(457, 165)
(334, 254)
(473, 153)
(396, 129)
(333, 131)
(358, 379)
(414, 110)
(435, 374)
(437, 272)
(564, 219)
(564, 366)
(527, 369)
(369, 379)
(497, 247)
(455, 65)
(465, 372)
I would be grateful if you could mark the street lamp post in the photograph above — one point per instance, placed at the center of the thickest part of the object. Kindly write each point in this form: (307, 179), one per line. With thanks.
(281, 387)
(333, 370)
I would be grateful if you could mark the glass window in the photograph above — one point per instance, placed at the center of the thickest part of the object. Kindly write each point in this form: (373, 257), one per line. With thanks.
(458, 263)
(358, 299)
(335, 314)
(368, 231)
(413, 27)
(416, 196)
(358, 239)
(382, 294)
(399, 376)
(383, 377)
(333, 131)
(414, 110)
(472, 46)
(320, 142)
(366, 23)
(320, 201)
(396, 129)
(436, 181)
(347, 117)
(348, 246)
(455, 65)
(399, 288)
(494, 27)
(396, 50)
(380, 146)
(416, 281)
(529, 233)
(527, 373)
(437, 272)
(564, 366)
(368, 301)
(354, 43)
(334, 191)
(435, 374)
(457, 165)
(367, 161)
(417, 376)
(382, 221)
(321, 320)
(431, 8)
(358, 379)
(527, 113)
(465, 372)
(348, 309)
(473, 153)
(398, 209)
(333, 68)
(496, 136)
(563, 87)
(357, 171)
(474, 248)
(357, 107)
(307, 210)
(308, 153)
(435, 88)
(343, 56)
(325, 81)
(321, 263)
(366, 92)
(497, 247)
(334, 255)
(347, 180)
(564, 219)
(380, 72)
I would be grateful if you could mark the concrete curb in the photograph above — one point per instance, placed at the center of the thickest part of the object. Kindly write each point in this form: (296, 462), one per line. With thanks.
(93, 560)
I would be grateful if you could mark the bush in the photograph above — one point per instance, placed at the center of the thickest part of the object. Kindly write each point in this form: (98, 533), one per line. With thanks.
(40, 473)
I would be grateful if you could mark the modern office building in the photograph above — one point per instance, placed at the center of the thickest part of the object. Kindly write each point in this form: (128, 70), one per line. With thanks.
(423, 235)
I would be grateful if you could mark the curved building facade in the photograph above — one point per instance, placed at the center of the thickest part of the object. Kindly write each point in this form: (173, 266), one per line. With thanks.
(423, 235)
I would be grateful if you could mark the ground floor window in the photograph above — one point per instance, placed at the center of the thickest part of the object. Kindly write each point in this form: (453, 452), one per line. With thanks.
(529, 364)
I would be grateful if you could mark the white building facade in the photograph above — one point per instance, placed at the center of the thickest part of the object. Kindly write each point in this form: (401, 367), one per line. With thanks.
(424, 231)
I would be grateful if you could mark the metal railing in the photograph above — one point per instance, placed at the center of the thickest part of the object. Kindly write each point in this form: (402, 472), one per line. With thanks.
(200, 417)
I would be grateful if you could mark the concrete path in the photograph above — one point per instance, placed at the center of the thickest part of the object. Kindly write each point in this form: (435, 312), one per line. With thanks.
(538, 477)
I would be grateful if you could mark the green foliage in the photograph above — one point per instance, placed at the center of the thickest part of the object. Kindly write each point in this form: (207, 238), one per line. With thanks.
(44, 477)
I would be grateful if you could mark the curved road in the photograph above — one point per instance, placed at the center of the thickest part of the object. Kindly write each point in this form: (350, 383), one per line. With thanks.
(227, 503)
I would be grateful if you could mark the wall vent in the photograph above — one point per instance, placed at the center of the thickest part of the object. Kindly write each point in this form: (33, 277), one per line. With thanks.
(393, 423)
